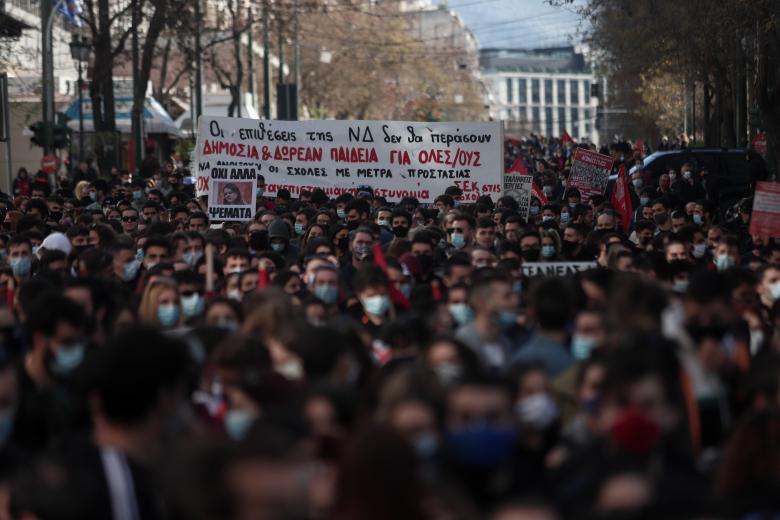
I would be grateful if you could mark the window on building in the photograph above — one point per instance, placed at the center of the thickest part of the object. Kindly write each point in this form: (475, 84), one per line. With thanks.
(561, 120)
(561, 92)
(574, 95)
(587, 116)
(521, 92)
(548, 92)
(587, 92)
(548, 123)
(574, 118)
(509, 90)
(535, 91)
(535, 125)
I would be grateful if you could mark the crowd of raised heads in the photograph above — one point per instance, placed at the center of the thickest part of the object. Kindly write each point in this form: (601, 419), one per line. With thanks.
(355, 358)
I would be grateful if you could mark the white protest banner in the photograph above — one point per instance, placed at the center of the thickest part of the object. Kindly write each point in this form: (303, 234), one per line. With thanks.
(519, 187)
(531, 269)
(397, 159)
(589, 173)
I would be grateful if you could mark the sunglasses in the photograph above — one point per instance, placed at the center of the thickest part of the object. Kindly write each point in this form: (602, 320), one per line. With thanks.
(454, 230)
(129, 219)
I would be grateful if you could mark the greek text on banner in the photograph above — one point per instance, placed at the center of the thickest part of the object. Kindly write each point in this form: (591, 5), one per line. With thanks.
(397, 159)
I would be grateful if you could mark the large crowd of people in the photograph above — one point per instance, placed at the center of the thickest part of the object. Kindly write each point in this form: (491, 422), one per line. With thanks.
(355, 358)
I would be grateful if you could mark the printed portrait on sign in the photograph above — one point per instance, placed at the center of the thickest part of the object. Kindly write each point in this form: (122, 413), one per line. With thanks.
(234, 193)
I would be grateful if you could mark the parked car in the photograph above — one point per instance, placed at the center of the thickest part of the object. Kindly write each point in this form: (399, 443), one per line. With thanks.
(733, 172)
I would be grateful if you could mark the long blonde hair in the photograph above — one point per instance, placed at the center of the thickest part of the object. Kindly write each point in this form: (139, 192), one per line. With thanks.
(147, 310)
(81, 189)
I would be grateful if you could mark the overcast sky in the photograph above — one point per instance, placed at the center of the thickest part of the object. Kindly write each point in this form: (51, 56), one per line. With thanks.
(518, 23)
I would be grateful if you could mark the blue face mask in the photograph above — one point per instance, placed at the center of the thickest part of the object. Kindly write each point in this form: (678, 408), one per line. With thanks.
(300, 229)
(92, 196)
(130, 270)
(724, 262)
(192, 305)
(680, 286)
(425, 445)
(565, 217)
(507, 319)
(67, 358)
(481, 445)
(341, 213)
(237, 423)
(581, 347)
(383, 223)
(458, 240)
(168, 315)
(517, 287)
(644, 200)
(138, 195)
(461, 313)
(698, 219)
(637, 183)
(191, 257)
(139, 254)
(277, 247)
(329, 294)
(548, 251)
(376, 305)
(546, 218)
(534, 210)
(21, 266)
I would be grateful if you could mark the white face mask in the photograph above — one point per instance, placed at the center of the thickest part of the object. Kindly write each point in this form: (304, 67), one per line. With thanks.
(699, 250)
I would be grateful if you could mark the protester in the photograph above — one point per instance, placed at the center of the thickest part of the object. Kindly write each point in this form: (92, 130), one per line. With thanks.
(367, 357)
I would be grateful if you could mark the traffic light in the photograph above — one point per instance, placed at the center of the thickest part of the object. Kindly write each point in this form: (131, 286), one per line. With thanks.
(38, 129)
(60, 136)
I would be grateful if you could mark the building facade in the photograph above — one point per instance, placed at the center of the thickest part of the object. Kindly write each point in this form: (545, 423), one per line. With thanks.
(541, 91)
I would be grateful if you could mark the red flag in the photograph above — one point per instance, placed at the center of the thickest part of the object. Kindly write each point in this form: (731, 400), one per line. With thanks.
(262, 278)
(640, 147)
(397, 297)
(621, 198)
(518, 167)
(539, 194)
(566, 138)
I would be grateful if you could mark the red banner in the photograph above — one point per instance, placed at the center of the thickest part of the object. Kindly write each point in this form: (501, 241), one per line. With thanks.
(566, 138)
(765, 219)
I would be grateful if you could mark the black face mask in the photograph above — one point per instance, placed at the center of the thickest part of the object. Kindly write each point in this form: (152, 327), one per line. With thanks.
(400, 231)
(258, 240)
(55, 216)
(531, 255)
(568, 247)
(81, 249)
(353, 224)
(426, 262)
(343, 244)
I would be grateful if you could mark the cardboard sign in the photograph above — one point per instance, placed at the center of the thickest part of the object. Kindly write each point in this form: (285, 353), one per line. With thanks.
(531, 269)
(589, 173)
(397, 159)
(519, 187)
(765, 219)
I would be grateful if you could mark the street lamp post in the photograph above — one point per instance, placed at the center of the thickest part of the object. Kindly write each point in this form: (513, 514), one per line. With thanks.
(79, 51)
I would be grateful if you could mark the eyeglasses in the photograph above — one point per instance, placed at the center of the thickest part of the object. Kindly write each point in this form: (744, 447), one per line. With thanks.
(129, 219)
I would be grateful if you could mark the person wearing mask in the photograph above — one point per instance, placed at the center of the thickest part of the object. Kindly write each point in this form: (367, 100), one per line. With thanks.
(551, 245)
(530, 246)
(279, 241)
(20, 257)
(161, 304)
(573, 244)
(726, 254)
(374, 308)
(361, 244)
(460, 234)
(768, 288)
(495, 314)
(126, 265)
(21, 185)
